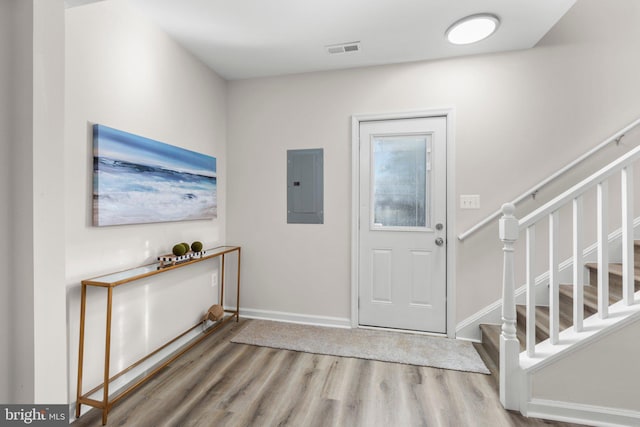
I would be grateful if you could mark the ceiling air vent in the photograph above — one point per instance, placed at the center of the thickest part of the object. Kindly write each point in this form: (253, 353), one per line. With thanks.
(343, 48)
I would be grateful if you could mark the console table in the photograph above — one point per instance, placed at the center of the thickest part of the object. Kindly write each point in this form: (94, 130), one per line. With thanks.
(110, 281)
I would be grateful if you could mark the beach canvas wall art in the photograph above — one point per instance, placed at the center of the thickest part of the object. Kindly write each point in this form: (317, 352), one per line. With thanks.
(139, 180)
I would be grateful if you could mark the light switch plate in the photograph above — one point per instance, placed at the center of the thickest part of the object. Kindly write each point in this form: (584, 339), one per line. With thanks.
(469, 201)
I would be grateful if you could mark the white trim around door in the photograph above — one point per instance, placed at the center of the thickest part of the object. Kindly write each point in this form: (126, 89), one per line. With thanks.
(449, 113)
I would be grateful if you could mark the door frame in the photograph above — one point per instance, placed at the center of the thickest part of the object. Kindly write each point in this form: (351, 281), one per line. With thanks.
(449, 115)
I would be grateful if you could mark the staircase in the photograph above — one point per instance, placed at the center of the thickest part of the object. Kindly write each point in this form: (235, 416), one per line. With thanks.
(577, 310)
(491, 333)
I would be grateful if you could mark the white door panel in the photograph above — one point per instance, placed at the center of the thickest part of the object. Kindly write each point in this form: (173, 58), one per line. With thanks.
(402, 271)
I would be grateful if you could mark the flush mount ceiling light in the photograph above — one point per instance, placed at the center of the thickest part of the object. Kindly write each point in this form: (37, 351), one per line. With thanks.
(472, 28)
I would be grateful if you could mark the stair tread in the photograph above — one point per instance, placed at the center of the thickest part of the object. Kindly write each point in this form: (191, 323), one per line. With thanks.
(615, 278)
(616, 269)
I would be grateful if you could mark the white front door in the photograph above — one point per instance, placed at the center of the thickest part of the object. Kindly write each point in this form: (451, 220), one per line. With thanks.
(402, 231)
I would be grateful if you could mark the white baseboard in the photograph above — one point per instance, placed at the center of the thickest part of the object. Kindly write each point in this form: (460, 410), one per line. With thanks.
(72, 412)
(479, 341)
(581, 414)
(306, 319)
(469, 328)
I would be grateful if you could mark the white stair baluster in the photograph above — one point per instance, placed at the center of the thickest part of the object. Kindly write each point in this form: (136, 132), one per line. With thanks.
(628, 263)
(509, 344)
(578, 264)
(531, 290)
(603, 250)
(554, 285)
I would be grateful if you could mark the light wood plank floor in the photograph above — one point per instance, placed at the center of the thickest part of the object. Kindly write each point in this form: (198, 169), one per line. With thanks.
(219, 383)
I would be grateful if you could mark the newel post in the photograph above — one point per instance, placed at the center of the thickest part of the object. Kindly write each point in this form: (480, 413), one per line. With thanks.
(509, 345)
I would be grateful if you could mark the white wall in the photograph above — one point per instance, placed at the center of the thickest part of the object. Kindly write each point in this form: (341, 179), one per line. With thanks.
(49, 311)
(21, 170)
(34, 311)
(123, 72)
(603, 374)
(519, 117)
(5, 194)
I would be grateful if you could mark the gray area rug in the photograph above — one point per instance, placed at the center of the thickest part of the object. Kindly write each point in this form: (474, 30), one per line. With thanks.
(398, 347)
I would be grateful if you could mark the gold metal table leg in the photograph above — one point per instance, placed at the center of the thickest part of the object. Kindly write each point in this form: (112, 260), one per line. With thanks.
(107, 356)
(238, 290)
(222, 281)
(83, 305)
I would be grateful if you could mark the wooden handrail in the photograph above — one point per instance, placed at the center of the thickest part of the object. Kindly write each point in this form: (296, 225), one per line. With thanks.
(616, 137)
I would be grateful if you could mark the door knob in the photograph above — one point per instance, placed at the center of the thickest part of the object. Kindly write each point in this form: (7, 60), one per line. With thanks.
(439, 241)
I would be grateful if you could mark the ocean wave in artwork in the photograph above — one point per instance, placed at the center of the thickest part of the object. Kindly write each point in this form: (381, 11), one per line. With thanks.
(133, 193)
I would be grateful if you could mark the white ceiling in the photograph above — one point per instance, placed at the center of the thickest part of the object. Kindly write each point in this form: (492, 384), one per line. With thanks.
(255, 38)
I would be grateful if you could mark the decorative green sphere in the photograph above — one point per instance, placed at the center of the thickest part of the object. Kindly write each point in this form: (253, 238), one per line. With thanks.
(196, 246)
(179, 250)
(187, 248)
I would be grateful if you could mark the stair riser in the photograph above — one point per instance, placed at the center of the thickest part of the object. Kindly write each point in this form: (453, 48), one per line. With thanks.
(566, 303)
(541, 332)
(615, 284)
(490, 342)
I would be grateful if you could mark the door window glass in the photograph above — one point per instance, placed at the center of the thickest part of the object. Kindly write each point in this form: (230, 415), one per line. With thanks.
(400, 177)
